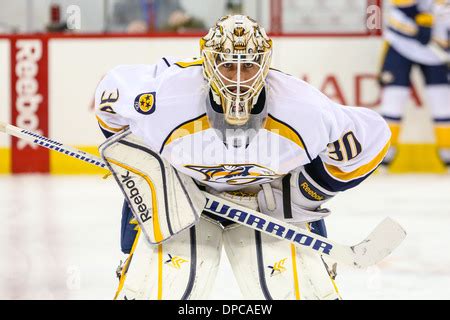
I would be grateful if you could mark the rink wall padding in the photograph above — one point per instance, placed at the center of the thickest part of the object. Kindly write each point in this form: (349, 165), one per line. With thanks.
(29, 102)
(48, 85)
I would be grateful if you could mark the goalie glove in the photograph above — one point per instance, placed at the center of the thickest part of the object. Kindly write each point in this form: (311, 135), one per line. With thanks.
(296, 198)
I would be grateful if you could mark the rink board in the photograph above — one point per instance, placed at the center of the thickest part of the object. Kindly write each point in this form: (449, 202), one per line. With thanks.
(5, 103)
(344, 68)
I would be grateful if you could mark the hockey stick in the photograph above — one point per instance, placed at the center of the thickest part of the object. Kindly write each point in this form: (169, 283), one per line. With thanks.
(380, 243)
(440, 52)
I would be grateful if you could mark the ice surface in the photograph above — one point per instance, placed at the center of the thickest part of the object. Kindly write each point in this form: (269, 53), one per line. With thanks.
(59, 238)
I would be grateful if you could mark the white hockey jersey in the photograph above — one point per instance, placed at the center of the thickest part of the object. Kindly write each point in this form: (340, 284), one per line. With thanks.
(165, 104)
(402, 29)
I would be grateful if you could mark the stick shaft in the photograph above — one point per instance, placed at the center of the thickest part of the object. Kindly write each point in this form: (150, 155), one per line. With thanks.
(255, 219)
(51, 144)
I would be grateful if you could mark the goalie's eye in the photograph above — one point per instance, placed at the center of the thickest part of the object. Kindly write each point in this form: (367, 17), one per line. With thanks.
(227, 65)
(248, 65)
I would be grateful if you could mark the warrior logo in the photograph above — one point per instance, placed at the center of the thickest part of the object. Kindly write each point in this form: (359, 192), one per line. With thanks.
(236, 174)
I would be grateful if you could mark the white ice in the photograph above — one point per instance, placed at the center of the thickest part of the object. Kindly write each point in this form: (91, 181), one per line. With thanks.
(59, 238)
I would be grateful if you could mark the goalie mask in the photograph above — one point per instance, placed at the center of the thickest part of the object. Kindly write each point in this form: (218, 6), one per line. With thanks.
(236, 58)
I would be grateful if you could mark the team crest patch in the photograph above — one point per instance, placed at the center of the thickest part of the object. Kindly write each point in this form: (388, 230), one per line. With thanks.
(145, 103)
(236, 174)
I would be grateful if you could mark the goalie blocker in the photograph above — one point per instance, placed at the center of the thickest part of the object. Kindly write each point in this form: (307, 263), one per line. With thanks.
(163, 201)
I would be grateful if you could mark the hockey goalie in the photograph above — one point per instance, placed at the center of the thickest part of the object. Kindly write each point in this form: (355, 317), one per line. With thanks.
(228, 124)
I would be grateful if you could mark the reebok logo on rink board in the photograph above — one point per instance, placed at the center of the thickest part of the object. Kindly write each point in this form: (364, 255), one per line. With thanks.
(134, 196)
(269, 227)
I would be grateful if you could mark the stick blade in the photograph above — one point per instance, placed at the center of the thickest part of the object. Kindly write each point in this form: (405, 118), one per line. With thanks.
(383, 240)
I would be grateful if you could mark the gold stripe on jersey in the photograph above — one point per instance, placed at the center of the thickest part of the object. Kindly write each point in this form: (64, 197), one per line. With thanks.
(277, 127)
(197, 62)
(190, 127)
(156, 225)
(363, 170)
(403, 3)
(108, 128)
(402, 27)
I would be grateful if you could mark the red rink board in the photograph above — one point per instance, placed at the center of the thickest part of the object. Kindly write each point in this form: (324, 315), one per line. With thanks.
(29, 101)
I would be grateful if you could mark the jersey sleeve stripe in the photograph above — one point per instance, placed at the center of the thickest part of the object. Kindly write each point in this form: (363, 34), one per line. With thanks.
(363, 170)
(182, 64)
(403, 28)
(187, 128)
(276, 126)
(104, 126)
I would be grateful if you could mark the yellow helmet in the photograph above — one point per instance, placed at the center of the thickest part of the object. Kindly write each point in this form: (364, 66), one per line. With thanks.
(236, 41)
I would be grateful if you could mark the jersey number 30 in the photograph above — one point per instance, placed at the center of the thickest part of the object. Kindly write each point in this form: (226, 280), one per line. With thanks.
(345, 149)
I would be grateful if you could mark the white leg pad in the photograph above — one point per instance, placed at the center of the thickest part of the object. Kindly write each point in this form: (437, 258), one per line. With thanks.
(183, 267)
(438, 97)
(393, 100)
(268, 268)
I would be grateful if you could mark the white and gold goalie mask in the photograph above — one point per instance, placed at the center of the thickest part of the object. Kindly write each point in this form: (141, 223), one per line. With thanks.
(236, 59)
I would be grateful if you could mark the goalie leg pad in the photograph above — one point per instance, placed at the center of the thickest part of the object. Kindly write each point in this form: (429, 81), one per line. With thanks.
(163, 201)
(181, 268)
(268, 268)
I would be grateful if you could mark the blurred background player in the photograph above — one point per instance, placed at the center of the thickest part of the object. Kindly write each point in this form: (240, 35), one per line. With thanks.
(413, 26)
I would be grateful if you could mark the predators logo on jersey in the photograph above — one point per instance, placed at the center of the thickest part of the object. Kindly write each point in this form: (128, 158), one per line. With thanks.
(145, 103)
(236, 174)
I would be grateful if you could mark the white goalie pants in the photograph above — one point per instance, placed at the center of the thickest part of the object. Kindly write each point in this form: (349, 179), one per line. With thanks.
(185, 266)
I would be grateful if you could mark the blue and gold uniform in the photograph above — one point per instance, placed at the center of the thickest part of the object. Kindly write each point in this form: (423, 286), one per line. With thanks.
(413, 26)
(339, 146)
(239, 129)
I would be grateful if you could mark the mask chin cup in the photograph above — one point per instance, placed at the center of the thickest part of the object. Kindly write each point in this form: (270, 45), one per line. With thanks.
(237, 136)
